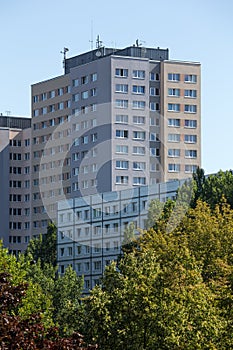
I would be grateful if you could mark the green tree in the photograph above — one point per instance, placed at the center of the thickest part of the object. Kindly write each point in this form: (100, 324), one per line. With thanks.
(172, 291)
(66, 301)
(44, 247)
(212, 188)
(28, 333)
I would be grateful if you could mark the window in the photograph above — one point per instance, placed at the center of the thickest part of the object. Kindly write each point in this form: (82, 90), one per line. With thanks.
(173, 76)
(61, 105)
(93, 107)
(94, 137)
(60, 92)
(134, 206)
(93, 76)
(52, 108)
(84, 124)
(85, 169)
(93, 92)
(27, 142)
(35, 98)
(154, 152)
(190, 93)
(174, 122)
(138, 119)
(52, 94)
(122, 180)
(189, 168)
(84, 79)
(154, 76)
(115, 245)
(139, 135)
(154, 137)
(75, 186)
(139, 150)
(93, 167)
(174, 137)
(154, 106)
(190, 138)
(121, 119)
(122, 149)
(138, 89)
(84, 95)
(93, 122)
(139, 105)
(75, 97)
(97, 247)
(94, 152)
(75, 82)
(87, 284)
(97, 213)
(44, 96)
(85, 184)
(85, 139)
(154, 167)
(97, 265)
(139, 165)
(154, 91)
(173, 152)
(121, 72)
(173, 107)
(36, 113)
(139, 181)
(190, 108)
(192, 124)
(173, 92)
(122, 133)
(122, 164)
(190, 78)
(121, 103)
(107, 244)
(115, 227)
(190, 153)
(174, 168)
(123, 88)
(75, 156)
(139, 74)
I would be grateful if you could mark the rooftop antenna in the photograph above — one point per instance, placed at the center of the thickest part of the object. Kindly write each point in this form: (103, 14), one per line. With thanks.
(65, 50)
(91, 41)
(98, 42)
(8, 113)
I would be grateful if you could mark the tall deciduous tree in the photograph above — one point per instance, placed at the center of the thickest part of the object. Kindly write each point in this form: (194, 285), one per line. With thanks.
(173, 290)
(44, 247)
(28, 333)
(212, 188)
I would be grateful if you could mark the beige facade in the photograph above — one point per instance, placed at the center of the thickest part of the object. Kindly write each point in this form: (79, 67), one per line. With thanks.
(180, 118)
(50, 149)
(15, 182)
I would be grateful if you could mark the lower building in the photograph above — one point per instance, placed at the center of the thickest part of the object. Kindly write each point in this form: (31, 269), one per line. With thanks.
(15, 185)
(91, 229)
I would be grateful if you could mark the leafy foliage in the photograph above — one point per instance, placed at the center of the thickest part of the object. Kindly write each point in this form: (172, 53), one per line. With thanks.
(29, 333)
(44, 247)
(173, 290)
(211, 189)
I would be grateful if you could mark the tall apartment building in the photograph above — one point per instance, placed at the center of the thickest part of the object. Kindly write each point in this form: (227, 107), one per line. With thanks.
(115, 119)
(15, 185)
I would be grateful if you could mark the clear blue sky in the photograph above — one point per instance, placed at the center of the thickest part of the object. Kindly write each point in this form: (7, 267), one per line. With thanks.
(34, 32)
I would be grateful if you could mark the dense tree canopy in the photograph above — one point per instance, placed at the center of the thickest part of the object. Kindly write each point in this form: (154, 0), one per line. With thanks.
(212, 188)
(28, 333)
(173, 290)
(44, 248)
